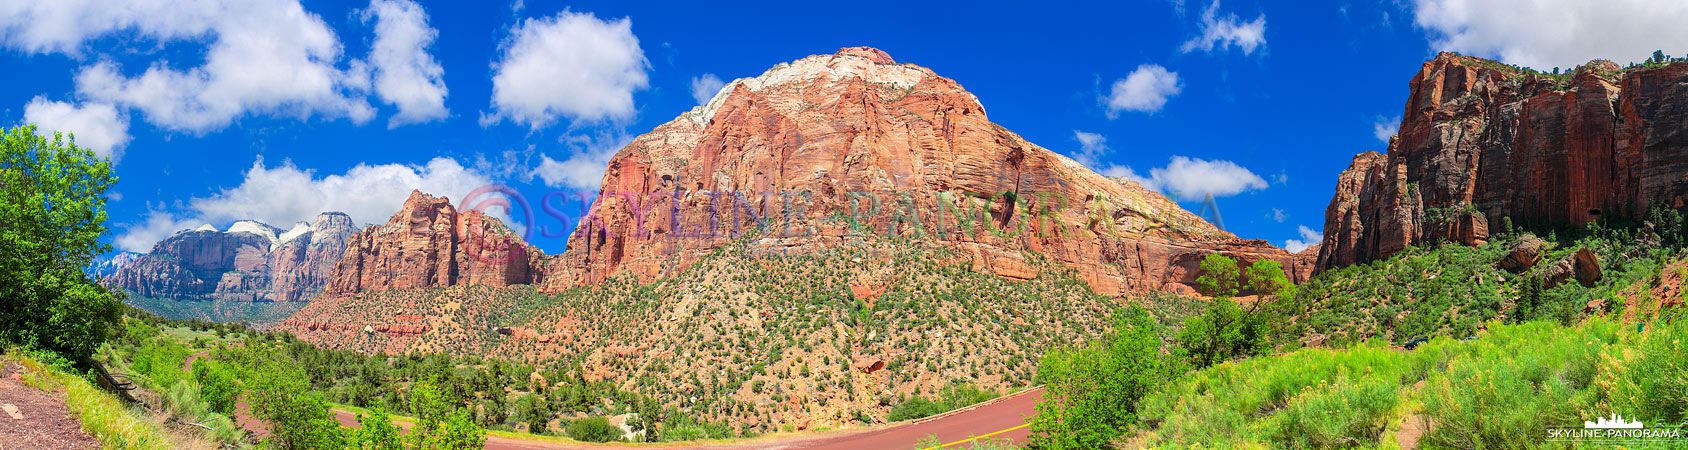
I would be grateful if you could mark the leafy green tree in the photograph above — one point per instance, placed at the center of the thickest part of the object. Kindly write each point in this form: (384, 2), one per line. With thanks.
(593, 429)
(1268, 279)
(440, 424)
(1222, 332)
(216, 385)
(1093, 392)
(535, 412)
(298, 418)
(1220, 276)
(52, 213)
(375, 432)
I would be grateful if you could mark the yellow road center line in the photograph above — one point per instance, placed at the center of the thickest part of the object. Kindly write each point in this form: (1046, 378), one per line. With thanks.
(974, 438)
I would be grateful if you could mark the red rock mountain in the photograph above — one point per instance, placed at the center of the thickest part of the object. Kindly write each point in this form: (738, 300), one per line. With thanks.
(1481, 141)
(834, 146)
(429, 243)
(249, 262)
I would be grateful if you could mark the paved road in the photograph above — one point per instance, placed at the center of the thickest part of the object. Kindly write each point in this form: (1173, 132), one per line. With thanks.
(1003, 418)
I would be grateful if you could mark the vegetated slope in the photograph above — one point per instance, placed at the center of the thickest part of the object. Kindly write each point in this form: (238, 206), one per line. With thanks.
(1508, 356)
(831, 146)
(1454, 290)
(1481, 142)
(756, 341)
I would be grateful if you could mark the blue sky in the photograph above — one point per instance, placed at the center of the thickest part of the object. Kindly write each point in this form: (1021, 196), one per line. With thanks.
(278, 109)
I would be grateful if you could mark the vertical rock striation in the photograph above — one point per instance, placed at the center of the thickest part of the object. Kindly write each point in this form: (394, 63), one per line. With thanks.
(1481, 142)
(429, 243)
(832, 147)
(249, 262)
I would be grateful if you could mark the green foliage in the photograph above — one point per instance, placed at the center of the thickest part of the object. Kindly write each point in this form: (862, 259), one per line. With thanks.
(1347, 412)
(160, 361)
(375, 432)
(1495, 392)
(216, 380)
(1268, 279)
(1093, 392)
(52, 202)
(535, 412)
(593, 429)
(298, 419)
(1220, 276)
(955, 396)
(441, 425)
(1223, 332)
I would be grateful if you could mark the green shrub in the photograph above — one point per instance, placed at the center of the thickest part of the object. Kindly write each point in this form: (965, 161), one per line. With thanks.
(1092, 392)
(593, 429)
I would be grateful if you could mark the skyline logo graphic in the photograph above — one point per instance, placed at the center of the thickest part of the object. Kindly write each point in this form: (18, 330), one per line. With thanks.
(1615, 422)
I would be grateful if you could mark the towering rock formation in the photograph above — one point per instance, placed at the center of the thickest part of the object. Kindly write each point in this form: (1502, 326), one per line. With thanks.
(834, 146)
(1480, 142)
(249, 262)
(429, 243)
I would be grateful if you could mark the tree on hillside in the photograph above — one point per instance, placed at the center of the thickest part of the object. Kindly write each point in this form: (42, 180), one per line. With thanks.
(1225, 330)
(52, 213)
(1220, 277)
(1092, 392)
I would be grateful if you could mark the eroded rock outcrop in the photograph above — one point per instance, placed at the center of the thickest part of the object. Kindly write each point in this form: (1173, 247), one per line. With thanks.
(429, 243)
(1481, 143)
(249, 262)
(829, 148)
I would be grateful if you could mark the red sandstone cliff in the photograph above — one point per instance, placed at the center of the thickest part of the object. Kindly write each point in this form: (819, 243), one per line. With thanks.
(854, 142)
(1481, 141)
(429, 243)
(248, 262)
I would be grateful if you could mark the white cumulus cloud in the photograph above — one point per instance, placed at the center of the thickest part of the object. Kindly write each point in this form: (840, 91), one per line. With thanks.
(1386, 127)
(704, 87)
(1195, 178)
(1308, 238)
(406, 75)
(1146, 89)
(1091, 147)
(1224, 32)
(583, 169)
(285, 194)
(97, 126)
(1554, 33)
(259, 58)
(570, 65)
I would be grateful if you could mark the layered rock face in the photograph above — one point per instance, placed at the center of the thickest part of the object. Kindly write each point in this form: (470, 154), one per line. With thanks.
(1480, 142)
(832, 148)
(429, 243)
(249, 262)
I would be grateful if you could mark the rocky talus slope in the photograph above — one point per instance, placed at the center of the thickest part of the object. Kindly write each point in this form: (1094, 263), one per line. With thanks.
(1481, 142)
(249, 262)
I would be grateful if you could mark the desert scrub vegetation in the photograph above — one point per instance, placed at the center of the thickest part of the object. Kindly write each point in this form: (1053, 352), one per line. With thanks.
(1454, 290)
(764, 342)
(1502, 357)
(1502, 389)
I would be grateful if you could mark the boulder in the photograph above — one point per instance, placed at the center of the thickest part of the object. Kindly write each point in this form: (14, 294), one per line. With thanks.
(1524, 254)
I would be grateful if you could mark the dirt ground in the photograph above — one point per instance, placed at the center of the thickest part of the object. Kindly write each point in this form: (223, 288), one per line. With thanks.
(46, 423)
